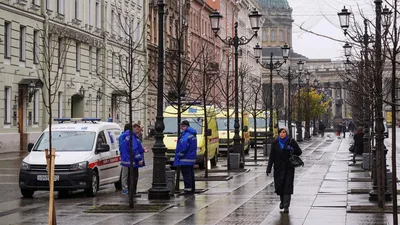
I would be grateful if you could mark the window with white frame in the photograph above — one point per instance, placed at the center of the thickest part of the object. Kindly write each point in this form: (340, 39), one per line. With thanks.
(97, 18)
(77, 10)
(112, 64)
(120, 66)
(61, 55)
(112, 21)
(120, 25)
(60, 6)
(36, 108)
(273, 35)
(60, 104)
(36, 46)
(281, 36)
(78, 57)
(22, 39)
(90, 59)
(7, 40)
(48, 4)
(7, 105)
(98, 55)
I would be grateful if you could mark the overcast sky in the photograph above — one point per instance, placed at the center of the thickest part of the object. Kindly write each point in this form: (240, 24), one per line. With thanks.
(320, 16)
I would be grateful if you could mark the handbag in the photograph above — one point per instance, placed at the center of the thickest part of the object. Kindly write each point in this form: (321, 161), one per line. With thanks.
(352, 148)
(295, 160)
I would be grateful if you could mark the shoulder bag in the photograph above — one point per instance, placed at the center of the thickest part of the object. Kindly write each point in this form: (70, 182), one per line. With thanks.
(295, 160)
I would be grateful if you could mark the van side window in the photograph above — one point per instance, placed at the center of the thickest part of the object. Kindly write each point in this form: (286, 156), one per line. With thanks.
(101, 139)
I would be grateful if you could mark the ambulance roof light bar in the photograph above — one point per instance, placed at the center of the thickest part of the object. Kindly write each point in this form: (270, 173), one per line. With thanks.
(75, 120)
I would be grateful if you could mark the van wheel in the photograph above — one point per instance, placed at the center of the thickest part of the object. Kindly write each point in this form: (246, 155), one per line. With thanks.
(27, 193)
(214, 160)
(94, 185)
(203, 163)
(118, 184)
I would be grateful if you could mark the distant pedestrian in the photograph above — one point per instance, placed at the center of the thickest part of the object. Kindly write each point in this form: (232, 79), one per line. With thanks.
(339, 129)
(140, 135)
(358, 143)
(185, 155)
(352, 128)
(283, 170)
(321, 128)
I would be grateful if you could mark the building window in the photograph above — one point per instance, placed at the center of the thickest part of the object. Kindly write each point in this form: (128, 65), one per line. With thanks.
(7, 105)
(120, 66)
(265, 35)
(112, 64)
(7, 40)
(22, 37)
(97, 19)
(48, 4)
(36, 46)
(78, 57)
(98, 59)
(60, 53)
(90, 59)
(112, 21)
(77, 10)
(273, 35)
(89, 12)
(121, 28)
(36, 108)
(60, 104)
(60, 7)
(281, 36)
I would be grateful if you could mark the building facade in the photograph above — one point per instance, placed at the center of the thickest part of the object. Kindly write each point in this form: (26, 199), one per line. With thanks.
(83, 45)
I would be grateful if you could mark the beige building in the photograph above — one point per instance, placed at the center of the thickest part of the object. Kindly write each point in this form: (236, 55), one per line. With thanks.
(88, 40)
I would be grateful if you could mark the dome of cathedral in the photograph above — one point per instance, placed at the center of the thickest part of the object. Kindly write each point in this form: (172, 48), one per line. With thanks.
(274, 4)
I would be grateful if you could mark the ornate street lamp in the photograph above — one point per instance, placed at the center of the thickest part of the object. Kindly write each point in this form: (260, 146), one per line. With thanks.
(99, 95)
(31, 90)
(347, 49)
(271, 66)
(159, 189)
(344, 19)
(82, 91)
(298, 125)
(236, 41)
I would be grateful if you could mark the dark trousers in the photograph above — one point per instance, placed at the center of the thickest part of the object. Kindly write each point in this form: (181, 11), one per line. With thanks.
(188, 178)
(285, 200)
(135, 179)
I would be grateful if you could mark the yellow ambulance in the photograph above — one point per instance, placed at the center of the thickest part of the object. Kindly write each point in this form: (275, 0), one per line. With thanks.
(195, 115)
(257, 136)
(223, 129)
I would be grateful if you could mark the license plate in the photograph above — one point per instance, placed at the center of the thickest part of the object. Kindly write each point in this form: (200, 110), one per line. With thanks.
(46, 177)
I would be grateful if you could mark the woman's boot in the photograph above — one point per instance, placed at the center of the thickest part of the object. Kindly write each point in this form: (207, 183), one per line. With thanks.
(286, 202)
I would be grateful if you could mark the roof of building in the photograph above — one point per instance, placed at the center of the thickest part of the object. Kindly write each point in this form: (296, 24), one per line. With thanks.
(276, 4)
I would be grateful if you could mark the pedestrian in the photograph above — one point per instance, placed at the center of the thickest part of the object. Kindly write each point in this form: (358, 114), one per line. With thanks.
(185, 155)
(343, 129)
(358, 143)
(138, 154)
(283, 170)
(339, 129)
(352, 128)
(321, 127)
(141, 131)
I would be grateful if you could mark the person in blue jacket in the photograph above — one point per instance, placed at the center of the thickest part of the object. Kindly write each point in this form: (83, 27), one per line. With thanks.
(138, 154)
(185, 155)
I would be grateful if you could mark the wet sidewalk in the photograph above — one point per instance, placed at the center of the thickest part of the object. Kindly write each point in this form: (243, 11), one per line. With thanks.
(322, 195)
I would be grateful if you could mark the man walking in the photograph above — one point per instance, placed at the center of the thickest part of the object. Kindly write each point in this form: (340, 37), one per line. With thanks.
(185, 155)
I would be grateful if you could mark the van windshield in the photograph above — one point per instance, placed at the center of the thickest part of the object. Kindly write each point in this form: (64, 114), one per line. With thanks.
(260, 122)
(67, 141)
(171, 124)
(223, 125)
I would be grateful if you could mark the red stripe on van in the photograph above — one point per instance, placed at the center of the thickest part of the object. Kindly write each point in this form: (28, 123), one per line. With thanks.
(104, 162)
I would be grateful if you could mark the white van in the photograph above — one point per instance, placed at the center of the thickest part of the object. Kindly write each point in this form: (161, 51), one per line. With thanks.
(87, 156)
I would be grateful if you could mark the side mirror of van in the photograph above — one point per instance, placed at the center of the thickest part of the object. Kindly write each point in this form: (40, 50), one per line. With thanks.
(103, 148)
(209, 132)
(245, 128)
(30, 146)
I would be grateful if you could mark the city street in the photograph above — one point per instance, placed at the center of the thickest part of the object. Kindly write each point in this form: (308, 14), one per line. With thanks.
(322, 195)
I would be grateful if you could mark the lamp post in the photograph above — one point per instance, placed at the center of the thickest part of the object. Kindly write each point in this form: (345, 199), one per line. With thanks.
(317, 87)
(236, 41)
(159, 189)
(380, 162)
(271, 66)
(307, 115)
(299, 136)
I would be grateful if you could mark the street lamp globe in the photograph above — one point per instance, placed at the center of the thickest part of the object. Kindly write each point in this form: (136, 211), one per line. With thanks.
(98, 94)
(31, 88)
(344, 18)
(215, 18)
(347, 49)
(316, 83)
(257, 52)
(82, 91)
(255, 20)
(300, 65)
(387, 17)
(285, 52)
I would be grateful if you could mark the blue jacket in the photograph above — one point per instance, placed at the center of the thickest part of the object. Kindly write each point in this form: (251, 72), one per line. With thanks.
(186, 148)
(137, 148)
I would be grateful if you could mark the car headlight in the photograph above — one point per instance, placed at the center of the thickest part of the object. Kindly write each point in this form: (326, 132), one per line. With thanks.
(79, 166)
(25, 166)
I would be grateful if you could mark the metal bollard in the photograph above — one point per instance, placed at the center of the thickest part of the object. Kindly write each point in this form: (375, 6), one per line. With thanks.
(170, 175)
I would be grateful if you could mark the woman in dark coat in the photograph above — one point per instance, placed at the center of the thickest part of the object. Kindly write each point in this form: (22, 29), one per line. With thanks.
(358, 143)
(283, 170)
